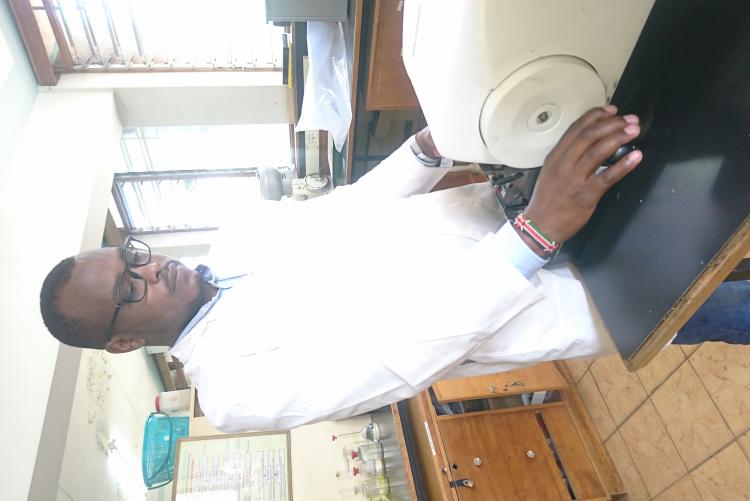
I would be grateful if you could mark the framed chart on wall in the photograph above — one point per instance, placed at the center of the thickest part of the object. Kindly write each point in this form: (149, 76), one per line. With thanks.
(240, 467)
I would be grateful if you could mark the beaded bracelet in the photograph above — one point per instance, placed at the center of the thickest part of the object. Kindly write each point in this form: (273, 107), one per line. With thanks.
(524, 224)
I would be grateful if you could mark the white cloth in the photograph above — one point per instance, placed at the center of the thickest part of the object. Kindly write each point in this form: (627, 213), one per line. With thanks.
(369, 295)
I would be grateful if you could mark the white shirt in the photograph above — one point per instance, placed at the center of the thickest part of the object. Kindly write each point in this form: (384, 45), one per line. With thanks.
(369, 295)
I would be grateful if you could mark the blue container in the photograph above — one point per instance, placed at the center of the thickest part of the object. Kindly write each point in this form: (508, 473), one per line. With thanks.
(159, 442)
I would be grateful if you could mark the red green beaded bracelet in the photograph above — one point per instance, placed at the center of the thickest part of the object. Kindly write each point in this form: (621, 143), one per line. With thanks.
(524, 224)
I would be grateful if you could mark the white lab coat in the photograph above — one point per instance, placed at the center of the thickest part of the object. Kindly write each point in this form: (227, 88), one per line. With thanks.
(367, 296)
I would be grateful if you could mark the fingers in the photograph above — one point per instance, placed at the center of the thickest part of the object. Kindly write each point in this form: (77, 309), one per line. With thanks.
(598, 140)
(587, 119)
(610, 139)
(612, 175)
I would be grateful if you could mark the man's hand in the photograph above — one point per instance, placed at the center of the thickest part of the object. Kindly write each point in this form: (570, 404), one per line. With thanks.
(568, 188)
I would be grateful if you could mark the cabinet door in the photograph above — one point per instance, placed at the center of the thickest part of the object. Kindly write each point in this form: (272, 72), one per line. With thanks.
(388, 86)
(579, 468)
(505, 456)
(540, 377)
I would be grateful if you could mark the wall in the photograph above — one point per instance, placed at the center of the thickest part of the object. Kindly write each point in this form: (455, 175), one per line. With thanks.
(193, 98)
(17, 89)
(114, 394)
(52, 204)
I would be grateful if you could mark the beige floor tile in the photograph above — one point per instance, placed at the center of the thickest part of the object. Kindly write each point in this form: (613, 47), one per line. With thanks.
(652, 450)
(625, 467)
(688, 349)
(596, 407)
(684, 490)
(744, 442)
(661, 367)
(724, 477)
(691, 417)
(725, 370)
(622, 390)
(577, 368)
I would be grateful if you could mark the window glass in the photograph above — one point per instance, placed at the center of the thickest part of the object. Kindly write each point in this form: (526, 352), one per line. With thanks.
(183, 178)
(139, 35)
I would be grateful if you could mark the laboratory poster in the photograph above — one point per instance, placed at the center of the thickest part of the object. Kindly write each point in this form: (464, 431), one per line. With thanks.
(242, 467)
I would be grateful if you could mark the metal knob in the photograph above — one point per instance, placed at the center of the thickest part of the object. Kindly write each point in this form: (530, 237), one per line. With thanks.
(477, 461)
(493, 389)
(530, 454)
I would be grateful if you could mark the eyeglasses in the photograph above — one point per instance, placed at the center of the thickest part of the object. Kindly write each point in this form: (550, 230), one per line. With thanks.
(131, 287)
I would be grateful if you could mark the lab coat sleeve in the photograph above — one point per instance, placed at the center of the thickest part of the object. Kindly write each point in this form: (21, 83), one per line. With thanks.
(399, 175)
(264, 395)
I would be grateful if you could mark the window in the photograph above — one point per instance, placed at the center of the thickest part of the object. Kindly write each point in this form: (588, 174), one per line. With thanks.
(183, 178)
(167, 34)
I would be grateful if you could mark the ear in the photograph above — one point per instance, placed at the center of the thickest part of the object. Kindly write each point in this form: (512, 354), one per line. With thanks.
(124, 344)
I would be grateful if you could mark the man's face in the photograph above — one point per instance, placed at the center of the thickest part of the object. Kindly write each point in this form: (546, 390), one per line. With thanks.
(173, 296)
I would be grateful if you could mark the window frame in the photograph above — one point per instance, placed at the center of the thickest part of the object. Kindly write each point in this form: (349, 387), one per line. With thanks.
(173, 175)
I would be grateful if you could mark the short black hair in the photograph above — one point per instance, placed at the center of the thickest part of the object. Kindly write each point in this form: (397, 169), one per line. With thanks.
(70, 331)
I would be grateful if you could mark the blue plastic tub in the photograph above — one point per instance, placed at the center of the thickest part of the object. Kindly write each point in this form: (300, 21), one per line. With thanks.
(159, 442)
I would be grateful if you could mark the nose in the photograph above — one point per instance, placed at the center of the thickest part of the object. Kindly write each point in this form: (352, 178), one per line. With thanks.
(150, 271)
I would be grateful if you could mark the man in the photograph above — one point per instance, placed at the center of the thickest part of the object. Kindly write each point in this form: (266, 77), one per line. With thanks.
(407, 288)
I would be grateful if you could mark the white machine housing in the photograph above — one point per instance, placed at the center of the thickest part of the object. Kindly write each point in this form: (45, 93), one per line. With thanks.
(499, 81)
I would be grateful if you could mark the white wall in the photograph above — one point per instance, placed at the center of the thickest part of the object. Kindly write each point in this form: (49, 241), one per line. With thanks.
(193, 98)
(52, 204)
(17, 89)
(114, 394)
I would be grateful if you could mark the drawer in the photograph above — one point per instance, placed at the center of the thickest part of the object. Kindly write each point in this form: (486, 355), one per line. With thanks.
(501, 456)
(518, 455)
(541, 377)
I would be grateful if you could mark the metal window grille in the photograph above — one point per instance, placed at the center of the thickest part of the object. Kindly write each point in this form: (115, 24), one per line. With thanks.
(169, 201)
(185, 178)
(133, 35)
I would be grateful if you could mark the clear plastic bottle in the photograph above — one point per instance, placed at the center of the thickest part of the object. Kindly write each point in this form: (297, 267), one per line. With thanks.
(376, 489)
(351, 488)
(373, 467)
(369, 450)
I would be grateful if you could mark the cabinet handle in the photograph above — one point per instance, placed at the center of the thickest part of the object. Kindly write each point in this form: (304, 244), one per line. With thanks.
(478, 461)
(464, 482)
(493, 389)
(530, 454)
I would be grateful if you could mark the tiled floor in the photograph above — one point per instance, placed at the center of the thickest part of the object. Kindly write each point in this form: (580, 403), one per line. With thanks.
(678, 429)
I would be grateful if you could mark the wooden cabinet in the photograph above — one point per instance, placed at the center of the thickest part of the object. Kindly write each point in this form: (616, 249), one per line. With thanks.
(388, 85)
(500, 455)
(485, 438)
(542, 377)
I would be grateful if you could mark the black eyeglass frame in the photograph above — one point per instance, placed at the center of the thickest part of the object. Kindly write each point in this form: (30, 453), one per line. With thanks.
(128, 271)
